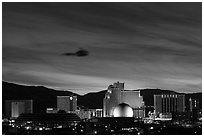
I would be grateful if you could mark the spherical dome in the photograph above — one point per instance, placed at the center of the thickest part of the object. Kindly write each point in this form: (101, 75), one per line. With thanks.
(123, 110)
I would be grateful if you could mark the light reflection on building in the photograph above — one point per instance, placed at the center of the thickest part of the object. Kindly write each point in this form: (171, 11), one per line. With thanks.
(16, 107)
(116, 95)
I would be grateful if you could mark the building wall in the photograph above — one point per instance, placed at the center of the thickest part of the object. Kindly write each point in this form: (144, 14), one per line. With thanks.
(83, 114)
(132, 98)
(73, 102)
(193, 104)
(112, 98)
(16, 107)
(116, 95)
(138, 113)
(98, 112)
(51, 110)
(168, 103)
(181, 103)
(89, 113)
(67, 103)
(135, 101)
(194, 108)
(63, 103)
(158, 104)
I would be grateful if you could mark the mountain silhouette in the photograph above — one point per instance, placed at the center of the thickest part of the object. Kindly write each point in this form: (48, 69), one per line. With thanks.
(44, 97)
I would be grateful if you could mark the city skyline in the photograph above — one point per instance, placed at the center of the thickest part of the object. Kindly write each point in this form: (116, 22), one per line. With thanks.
(150, 112)
(145, 45)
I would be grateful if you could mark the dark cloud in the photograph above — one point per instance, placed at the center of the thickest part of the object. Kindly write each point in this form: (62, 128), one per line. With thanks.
(142, 44)
(80, 53)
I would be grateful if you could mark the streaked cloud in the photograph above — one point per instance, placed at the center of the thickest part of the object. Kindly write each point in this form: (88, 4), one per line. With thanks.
(142, 44)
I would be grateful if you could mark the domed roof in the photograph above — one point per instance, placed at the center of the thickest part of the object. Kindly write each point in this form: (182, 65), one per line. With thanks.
(123, 110)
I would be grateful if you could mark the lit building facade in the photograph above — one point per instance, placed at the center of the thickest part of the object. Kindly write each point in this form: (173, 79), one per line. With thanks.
(169, 103)
(67, 103)
(123, 110)
(194, 108)
(16, 107)
(89, 113)
(51, 110)
(116, 95)
(112, 98)
(194, 104)
(135, 100)
(98, 113)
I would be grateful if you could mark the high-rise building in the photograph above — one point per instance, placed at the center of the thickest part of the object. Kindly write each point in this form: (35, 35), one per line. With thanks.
(135, 100)
(67, 103)
(116, 95)
(194, 104)
(194, 108)
(169, 103)
(112, 98)
(16, 107)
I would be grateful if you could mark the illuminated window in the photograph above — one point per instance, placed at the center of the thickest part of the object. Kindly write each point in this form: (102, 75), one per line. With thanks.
(71, 98)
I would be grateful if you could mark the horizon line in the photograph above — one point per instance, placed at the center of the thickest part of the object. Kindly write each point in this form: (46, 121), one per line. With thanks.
(58, 88)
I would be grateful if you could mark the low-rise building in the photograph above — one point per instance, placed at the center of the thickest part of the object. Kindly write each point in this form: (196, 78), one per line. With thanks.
(14, 108)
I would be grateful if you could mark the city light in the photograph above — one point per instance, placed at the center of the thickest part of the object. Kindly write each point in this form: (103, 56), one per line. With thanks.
(124, 120)
(71, 98)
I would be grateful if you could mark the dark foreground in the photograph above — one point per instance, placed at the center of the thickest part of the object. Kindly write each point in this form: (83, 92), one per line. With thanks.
(97, 128)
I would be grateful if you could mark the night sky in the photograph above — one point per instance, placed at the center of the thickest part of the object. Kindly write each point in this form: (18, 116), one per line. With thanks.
(145, 45)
